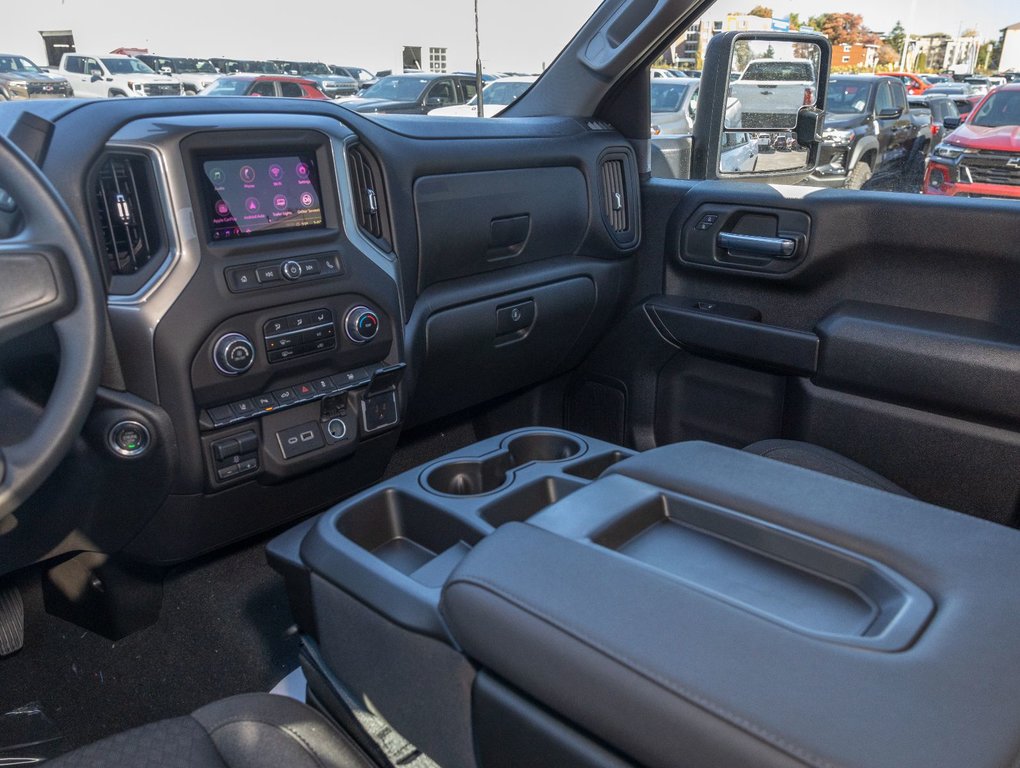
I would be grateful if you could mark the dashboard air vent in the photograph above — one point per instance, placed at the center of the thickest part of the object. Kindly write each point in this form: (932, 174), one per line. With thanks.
(369, 196)
(614, 195)
(126, 216)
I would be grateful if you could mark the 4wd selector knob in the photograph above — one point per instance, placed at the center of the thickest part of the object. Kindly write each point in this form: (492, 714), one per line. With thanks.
(361, 324)
(233, 354)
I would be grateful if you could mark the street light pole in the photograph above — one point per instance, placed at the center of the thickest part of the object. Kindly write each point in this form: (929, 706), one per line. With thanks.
(478, 66)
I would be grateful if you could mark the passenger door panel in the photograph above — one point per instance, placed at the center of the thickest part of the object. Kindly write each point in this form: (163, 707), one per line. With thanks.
(891, 340)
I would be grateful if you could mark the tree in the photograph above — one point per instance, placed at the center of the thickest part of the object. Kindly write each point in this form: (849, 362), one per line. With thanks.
(761, 10)
(795, 22)
(887, 55)
(770, 53)
(842, 28)
(896, 37)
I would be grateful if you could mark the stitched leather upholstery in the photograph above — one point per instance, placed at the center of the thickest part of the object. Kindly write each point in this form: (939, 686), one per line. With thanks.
(248, 731)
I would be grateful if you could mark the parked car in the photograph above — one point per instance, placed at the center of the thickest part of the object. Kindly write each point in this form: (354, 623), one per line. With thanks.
(496, 96)
(265, 85)
(248, 66)
(978, 84)
(674, 104)
(772, 91)
(869, 131)
(739, 153)
(333, 85)
(112, 75)
(20, 78)
(936, 79)
(960, 94)
(938, 108)
(915, 84)
(414, 94)
(362, 76)
(194, 74)
(981, 157)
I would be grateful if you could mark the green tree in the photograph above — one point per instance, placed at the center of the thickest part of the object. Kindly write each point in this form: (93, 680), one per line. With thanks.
(770, 53)
(761, 10)
(896, 37)
(795, 22)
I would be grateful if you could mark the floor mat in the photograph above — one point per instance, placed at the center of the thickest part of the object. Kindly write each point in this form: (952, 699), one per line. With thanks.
(225, 628)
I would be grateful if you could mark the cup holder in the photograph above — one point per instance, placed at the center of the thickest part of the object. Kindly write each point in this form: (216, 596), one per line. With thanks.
(473, 477)
(470, 477)
(542, 446)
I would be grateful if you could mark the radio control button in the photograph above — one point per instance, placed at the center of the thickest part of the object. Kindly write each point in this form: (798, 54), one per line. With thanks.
(291, 270)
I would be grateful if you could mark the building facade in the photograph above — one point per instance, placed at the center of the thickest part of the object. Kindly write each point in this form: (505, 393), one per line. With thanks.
(1009, 60)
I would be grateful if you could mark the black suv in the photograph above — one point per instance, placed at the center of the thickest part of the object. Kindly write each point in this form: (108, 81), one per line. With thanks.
(414, 93)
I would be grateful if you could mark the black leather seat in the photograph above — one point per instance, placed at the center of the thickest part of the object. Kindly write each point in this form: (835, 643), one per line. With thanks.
(823, 460)
(250, 731)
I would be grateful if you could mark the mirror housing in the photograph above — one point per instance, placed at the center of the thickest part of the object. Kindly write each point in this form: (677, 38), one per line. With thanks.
(952, 122)
(97, 75)
(716, 110)
(890, 113)
(434, 101)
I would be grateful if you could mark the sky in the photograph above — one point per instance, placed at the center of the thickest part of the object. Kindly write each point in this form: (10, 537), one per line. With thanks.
(517, 35)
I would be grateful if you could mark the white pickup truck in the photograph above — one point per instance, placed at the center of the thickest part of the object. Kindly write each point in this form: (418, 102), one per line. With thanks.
(772, 91)
(110, 75)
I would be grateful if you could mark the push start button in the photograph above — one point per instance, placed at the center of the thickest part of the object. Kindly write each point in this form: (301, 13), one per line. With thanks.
(129, 439)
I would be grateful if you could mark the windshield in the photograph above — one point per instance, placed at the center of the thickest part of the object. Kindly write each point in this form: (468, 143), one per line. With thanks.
(501, 93)
(846, 98)
(781, 71)
(17, 64)
(202, 66)
(668, 95)
(228, 86)
(396, 88)
(127, 67)
(1000, 109)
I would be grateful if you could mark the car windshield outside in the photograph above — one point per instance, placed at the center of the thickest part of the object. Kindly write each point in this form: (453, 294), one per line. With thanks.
(229, 86)
(778, 71)
(17, 64)
(202, 66)
(847, 98)
(395, 88)
(667, 95)
(502, 92)
(1000, 109)
(127, 66)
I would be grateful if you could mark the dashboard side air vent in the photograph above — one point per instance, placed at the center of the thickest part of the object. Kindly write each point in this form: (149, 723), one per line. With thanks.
(618, 188)
(128, 225)
(369, 196)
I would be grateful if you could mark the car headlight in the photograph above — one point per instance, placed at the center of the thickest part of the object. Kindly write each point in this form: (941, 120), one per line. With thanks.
(948, 151)
(838, 136)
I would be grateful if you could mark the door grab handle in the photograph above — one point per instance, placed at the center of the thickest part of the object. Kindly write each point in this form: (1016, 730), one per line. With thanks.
(755, 245)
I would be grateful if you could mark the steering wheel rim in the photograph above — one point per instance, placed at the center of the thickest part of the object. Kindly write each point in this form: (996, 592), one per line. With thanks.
(48, 277)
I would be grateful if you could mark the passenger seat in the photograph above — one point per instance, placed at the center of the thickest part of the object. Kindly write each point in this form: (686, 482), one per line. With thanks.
(814, 457)
(256, 730)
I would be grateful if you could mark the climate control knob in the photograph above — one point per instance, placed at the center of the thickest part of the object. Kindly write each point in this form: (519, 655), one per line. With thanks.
(361, 324)
(233, 354)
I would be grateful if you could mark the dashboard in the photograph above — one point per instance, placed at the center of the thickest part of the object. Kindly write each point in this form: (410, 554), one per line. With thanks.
(290, 286)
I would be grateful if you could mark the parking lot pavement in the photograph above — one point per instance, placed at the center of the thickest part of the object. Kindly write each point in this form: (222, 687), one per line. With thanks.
(781, 161)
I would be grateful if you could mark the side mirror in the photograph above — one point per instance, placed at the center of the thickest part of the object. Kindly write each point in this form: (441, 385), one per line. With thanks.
(952, 122)
(890, 113)
(434, 101)
(97, 75)
(767, 83)
(165, 71)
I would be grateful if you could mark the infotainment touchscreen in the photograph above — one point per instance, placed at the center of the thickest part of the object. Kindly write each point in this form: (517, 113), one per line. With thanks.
(261, 195)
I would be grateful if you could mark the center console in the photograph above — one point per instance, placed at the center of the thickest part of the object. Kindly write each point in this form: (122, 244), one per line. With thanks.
(544, 597)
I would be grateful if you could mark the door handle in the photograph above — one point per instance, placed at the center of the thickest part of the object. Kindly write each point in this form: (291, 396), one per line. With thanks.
(756, 245)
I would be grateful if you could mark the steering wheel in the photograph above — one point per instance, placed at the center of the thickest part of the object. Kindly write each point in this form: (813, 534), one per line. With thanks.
(47, 277)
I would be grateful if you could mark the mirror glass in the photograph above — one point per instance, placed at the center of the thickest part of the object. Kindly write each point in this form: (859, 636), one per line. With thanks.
(770, 81)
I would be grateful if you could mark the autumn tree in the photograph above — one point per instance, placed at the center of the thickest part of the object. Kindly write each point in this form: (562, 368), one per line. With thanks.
(887, 55)
(761, 10)
(842, 28)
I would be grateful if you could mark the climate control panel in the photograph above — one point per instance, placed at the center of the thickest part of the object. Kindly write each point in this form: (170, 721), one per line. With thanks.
(302, 333)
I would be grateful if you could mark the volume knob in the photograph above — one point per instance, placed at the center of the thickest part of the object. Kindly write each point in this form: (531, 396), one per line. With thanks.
(233, 354)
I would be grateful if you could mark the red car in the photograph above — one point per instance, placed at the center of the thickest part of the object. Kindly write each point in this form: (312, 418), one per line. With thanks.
(915, 85)
(265, 85)
(981, 157)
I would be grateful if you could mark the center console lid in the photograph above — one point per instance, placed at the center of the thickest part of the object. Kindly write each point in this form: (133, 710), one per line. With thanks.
(698, 605)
